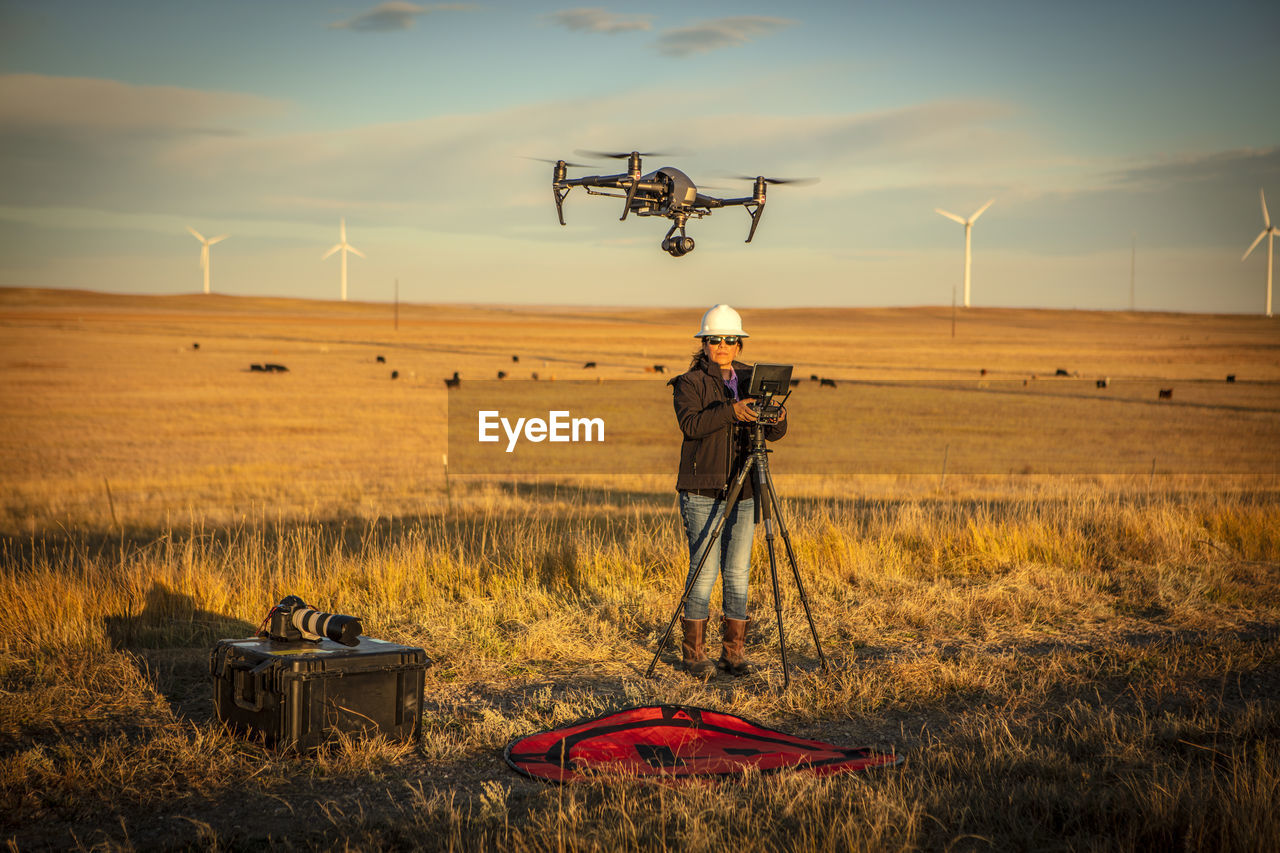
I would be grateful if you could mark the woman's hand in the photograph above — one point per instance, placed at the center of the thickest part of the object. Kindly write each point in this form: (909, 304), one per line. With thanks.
(742, 411)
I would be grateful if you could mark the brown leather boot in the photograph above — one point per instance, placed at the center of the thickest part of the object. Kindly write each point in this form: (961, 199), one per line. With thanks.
(696, 662)
(733, 656)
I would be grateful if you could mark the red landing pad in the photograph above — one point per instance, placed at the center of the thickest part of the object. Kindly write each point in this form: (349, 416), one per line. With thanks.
(676, 741)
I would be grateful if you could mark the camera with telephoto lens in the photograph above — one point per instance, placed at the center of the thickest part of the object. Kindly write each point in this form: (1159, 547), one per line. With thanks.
(768, 381)
(293, 619)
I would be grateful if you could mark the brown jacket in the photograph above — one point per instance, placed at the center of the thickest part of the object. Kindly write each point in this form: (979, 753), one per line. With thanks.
(715, 444)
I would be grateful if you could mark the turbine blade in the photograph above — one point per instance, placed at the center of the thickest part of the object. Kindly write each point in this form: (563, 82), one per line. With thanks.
(949, 215)
(356, 251)
(981, 210)
(218, 239)
(196, 234)
(1266, 219)
(331, 251)
(1254, 244)
(342, 230)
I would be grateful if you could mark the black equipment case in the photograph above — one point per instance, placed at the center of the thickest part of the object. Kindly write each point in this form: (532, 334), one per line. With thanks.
(297, 695)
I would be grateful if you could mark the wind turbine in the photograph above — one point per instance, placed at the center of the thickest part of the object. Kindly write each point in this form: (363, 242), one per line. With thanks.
(968, 226)
(204, 252)
(1268, 231)
(345, 247)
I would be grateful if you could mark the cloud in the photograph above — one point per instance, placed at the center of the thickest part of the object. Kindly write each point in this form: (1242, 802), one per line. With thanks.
(854, 152)
(596, 20)
(37, 103)
(167, 151)
(80, 141)
(1196, 200)
(712, 35)
(395, 15)
(1238, 166)
(454, 173)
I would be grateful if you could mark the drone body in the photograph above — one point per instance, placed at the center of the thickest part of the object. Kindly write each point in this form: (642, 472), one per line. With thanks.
(666, 192)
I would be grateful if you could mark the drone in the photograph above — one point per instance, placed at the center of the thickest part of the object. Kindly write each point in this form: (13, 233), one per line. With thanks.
(667, 192)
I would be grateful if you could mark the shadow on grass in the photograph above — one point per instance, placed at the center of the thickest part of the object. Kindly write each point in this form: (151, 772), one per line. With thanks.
(592, 512)
(468, 531)
(170, 619)
(168, 641)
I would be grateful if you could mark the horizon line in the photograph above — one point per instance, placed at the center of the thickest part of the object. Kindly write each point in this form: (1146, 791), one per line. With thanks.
(533, 306)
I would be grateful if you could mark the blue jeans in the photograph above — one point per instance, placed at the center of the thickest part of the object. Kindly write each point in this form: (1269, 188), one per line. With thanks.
(730, 556)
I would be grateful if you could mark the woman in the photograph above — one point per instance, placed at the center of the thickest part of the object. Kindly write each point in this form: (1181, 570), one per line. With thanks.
(712, 409)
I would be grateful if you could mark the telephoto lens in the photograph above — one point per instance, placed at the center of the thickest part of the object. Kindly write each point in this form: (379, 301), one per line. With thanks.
(340, 629)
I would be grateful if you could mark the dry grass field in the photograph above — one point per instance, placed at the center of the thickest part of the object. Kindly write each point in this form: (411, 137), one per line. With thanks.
(1067, 661)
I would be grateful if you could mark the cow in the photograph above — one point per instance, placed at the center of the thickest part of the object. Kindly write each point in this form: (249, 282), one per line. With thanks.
(982, 372)
(502, 374)
(1166, 393)
(1062, 371)
(1104, 382)
(455, 382)
(659, 368)
(395, 374)
(1231, 377)
(515, 359)
(256, 368)
(382, 360)
(275, 368)
(590, 365)
(794, 382)
(826, 383)
(535, 376)
(196, 345)
(813, 377)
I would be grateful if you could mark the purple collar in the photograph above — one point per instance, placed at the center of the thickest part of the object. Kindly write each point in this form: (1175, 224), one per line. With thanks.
(731, 382)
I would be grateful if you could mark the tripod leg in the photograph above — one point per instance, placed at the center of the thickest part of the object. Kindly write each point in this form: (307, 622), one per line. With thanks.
(729, 502)
(777, 599)
(765, 506)
(795, 567)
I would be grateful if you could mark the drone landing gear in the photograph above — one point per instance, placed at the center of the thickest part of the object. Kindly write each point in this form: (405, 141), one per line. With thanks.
(756, 206)
(755, 209)
(560, 193)
(677, 246)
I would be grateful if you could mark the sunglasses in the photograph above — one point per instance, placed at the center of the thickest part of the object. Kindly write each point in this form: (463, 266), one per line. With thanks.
(716, 341)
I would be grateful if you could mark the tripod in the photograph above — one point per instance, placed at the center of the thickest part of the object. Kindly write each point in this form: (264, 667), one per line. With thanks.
(767, 510)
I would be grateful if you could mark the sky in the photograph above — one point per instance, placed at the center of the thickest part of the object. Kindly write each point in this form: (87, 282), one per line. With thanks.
(1117, 139)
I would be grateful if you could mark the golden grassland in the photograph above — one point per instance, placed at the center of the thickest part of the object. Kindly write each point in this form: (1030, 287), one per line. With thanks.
(1080, 662)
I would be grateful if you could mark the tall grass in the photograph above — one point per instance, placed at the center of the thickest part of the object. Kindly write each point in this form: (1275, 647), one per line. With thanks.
(1090, 669)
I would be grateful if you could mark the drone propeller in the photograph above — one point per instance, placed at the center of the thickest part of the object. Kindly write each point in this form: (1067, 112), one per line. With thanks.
(622, 155)
(567, 163)
(800, 182)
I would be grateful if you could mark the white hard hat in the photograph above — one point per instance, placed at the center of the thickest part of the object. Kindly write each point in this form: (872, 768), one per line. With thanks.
(721, 320)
